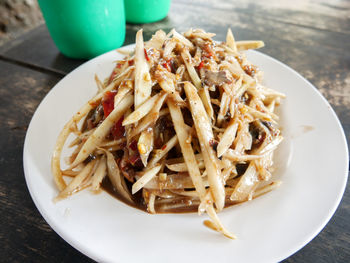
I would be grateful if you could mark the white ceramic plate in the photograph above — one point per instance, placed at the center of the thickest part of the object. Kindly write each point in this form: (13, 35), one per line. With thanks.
(312, 163)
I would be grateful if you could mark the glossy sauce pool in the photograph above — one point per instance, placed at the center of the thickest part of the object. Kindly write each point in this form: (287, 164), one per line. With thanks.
(139, 203)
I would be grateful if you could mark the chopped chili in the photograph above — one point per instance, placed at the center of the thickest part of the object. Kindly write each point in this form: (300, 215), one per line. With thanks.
(208, 52)
(200, 65)
(118, 130)
(169, 65)
(108, 102)
(146, 55)
(208, 55)
(166, 66)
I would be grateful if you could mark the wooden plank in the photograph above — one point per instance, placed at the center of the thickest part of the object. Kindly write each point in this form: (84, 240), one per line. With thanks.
(24, 234)
(318, 14)
(36, 47)
(310, 36)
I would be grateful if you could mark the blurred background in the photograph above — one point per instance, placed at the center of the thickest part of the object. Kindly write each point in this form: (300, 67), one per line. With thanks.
(17, 17)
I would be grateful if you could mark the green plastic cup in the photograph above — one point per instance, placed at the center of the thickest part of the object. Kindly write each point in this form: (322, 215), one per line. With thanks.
(146, 11)
(85, 28)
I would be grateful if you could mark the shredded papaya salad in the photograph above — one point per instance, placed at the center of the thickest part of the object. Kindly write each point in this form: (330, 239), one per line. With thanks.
(183, 123)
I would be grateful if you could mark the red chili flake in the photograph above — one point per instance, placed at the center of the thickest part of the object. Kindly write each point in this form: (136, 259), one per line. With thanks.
(164, 147)
(118, 130)
(146, 55)
(171, 64)
(133, 145)
(131, 62)
(108, 102)
(166, 66)
(208, 52)
(200, 65)
(208, 55)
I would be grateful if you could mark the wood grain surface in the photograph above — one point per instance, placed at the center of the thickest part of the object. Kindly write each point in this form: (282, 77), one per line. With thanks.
(312, 37)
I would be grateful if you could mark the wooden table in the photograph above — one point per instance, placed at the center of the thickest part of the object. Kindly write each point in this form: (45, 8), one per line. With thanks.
(313, 37)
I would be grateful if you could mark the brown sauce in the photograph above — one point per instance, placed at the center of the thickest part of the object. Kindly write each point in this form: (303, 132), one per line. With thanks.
(138, 200)
(177, 206)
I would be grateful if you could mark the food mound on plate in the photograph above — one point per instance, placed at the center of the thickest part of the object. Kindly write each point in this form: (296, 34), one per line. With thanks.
(183, 123)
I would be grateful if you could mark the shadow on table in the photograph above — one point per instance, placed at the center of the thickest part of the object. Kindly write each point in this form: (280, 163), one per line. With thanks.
(66, 64)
